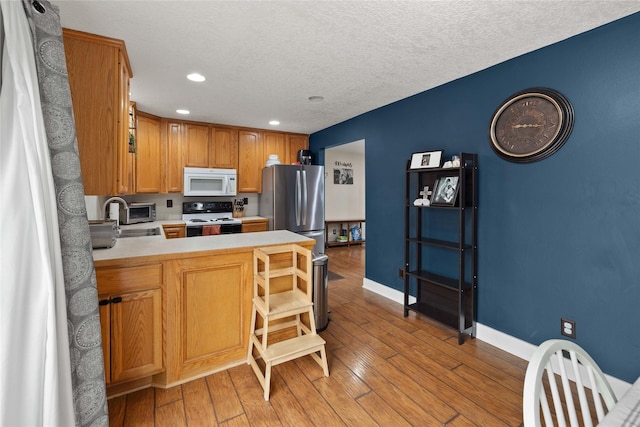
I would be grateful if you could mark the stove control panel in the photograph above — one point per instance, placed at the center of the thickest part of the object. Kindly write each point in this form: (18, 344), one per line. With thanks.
(206, 207)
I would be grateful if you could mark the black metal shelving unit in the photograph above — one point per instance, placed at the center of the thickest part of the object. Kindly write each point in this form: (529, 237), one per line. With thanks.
(448, 296)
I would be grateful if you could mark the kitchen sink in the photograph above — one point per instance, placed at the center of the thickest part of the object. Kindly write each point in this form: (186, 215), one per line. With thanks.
(140, 232)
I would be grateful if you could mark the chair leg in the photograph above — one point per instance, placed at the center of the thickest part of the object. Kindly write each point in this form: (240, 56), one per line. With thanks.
(325, 365)
(253, 328)
(267, 381)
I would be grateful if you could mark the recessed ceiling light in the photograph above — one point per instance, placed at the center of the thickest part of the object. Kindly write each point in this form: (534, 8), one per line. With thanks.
(182, 111)
(316, 98)
(274, 123)
(195, 77)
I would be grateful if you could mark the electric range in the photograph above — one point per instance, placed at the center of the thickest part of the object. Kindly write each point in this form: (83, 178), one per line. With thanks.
(197, 215)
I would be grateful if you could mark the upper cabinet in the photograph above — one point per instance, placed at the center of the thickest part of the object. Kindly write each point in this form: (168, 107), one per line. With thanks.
(275, 143)
(295, 143)
(255, 148)
(250, 161)
(99, 73)
(196, 145)
(149, 158)
(285, 145)
(223, 148)
(210, 147)
(171, 133)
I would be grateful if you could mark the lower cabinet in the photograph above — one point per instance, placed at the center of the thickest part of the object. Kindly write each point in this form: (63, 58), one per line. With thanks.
(253, 225)
(208, 323)
(174, 231)
(131, 321)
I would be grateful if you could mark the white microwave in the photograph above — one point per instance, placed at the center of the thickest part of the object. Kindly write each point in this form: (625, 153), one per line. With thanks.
(210, 182)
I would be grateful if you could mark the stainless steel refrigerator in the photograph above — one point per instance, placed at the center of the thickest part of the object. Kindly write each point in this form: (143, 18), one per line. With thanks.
(292, 199)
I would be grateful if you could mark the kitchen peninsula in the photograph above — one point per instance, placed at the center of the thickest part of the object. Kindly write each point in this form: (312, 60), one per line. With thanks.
(173, 310)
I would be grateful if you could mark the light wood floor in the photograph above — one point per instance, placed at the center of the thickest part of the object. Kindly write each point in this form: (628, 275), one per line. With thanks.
(385, 370)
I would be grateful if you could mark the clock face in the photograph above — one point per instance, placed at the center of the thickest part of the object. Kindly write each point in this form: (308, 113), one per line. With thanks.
(531, 125)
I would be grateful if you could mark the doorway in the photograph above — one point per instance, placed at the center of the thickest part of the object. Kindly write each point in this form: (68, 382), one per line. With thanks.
(345, 212)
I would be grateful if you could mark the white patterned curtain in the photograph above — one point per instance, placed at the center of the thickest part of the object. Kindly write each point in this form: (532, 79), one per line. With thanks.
(51, 364)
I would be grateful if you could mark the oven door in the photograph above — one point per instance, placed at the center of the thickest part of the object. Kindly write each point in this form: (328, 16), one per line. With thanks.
(196, 230)
(230, 228)
(193, 231)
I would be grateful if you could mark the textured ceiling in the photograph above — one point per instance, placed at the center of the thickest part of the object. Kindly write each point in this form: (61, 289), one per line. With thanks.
(264, 59)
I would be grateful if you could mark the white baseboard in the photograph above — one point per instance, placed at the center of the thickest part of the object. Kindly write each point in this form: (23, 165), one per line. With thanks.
(498, 339)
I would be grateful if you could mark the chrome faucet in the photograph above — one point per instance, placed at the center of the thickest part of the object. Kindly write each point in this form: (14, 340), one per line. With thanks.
(113, 199)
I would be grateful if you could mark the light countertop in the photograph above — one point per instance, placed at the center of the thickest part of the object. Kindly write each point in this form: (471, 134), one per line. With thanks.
(135, 247)
(179, 221)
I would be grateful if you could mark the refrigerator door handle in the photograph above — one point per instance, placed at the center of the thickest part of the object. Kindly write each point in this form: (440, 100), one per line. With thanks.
(305, 205)
(298, 197)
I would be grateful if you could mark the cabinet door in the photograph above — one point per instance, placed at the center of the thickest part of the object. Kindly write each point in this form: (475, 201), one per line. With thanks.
(213, 313)
(223, 148)
(250, 161)
(131, 320)
(93, 78)
(174, 231)
(196, 146)
(294, 144)
(175, 161)
(275, 143)
(148, 156)
(105, 329)
(125, 168)
(253, 226)
(136, 335)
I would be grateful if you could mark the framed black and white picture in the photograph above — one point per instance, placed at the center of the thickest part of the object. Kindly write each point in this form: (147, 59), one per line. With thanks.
(446, 191)
(342, 176)
(426, 160)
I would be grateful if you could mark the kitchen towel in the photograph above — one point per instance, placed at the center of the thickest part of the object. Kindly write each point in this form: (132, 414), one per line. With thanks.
(210, 230)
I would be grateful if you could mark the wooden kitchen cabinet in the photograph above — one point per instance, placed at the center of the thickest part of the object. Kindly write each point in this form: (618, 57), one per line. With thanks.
(196, 145)
(253, 225)
(99, 72)
(209, 323)
(172, 140)
(285, 145)
(223, 148)
(130, 301)
(275, 143)
(149, 155)
(295, 142)
(250, 161)
(210, 147)
(174, 231)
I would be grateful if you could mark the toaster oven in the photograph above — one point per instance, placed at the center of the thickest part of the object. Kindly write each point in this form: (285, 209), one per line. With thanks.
(135, 213)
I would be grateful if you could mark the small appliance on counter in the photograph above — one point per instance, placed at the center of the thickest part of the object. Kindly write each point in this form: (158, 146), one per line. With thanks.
(103, 233)
(135, 213)
(304, 157)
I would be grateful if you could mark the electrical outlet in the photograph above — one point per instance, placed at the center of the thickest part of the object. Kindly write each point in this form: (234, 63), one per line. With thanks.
(246, 200)
(169, 203)
(401, 273)
(568, 328)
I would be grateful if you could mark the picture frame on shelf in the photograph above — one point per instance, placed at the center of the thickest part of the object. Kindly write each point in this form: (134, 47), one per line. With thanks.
(445, 190)
(426, 160)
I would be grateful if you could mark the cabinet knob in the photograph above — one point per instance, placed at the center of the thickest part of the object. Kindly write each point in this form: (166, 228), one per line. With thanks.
(116, 300)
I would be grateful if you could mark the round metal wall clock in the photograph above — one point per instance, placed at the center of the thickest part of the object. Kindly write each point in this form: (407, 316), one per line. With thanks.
(531, 125)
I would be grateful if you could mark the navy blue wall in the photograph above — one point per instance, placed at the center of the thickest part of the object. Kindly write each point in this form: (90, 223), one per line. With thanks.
(557, 238)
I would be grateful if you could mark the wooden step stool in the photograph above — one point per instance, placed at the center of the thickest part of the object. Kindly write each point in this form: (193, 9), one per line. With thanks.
(282, 297)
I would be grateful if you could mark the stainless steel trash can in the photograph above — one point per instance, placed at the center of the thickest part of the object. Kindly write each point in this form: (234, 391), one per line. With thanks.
(320, 291)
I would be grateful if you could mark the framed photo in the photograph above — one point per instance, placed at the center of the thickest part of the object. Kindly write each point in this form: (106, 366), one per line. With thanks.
(426, 160)
(342, 176)
(445, 191)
